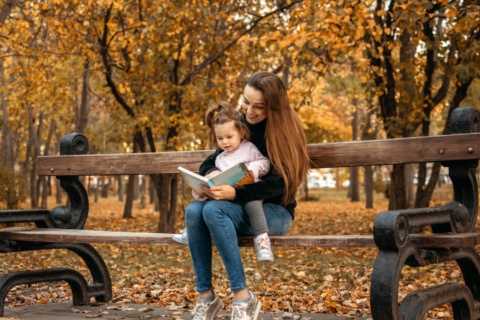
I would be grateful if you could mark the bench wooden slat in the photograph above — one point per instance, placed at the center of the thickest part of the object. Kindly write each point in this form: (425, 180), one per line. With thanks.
(121, 237)
(460, 240)
(324, 155)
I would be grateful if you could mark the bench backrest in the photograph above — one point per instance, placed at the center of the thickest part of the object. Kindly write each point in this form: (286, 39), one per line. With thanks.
(323, 155)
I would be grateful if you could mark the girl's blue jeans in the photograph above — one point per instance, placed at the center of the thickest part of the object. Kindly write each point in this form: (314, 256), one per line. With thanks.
(224, 221)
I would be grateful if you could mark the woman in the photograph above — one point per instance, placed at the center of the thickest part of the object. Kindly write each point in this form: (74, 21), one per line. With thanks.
(277, 132)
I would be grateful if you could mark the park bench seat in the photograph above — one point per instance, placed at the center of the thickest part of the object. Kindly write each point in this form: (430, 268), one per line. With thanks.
(397, 234)
(295, 241)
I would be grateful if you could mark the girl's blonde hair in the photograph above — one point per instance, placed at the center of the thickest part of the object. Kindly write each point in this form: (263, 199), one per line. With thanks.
(286, 141)
(222, 113)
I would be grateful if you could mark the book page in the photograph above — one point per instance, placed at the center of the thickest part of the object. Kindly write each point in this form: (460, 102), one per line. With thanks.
(233, 176)
(193, 179)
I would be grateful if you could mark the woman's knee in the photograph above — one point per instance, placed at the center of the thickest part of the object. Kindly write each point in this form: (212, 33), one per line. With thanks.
(214, 210)
(194, 210)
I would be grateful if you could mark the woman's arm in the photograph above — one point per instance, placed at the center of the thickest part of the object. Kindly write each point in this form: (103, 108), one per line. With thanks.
(208, 165)
(271, 186)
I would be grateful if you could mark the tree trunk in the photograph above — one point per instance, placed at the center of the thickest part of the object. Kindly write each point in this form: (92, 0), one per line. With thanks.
(7, 8)
(368, 133)
(106, 186)
(143, 191)
(82, 119)
(7, 148)
(33, 150)
(354, 184)
(151, 191)
(166, 186)
(120, 188)
(368, 181)
(127, 209)
(354, 171)
(424, 195)
(398, 192)
(132, 180)
(44, 182)
(409, 177)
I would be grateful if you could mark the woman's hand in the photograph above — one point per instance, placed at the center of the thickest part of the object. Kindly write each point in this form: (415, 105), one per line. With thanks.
(224, 192)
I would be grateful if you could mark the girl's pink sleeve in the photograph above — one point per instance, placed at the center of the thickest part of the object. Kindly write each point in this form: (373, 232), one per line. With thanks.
(196, 195)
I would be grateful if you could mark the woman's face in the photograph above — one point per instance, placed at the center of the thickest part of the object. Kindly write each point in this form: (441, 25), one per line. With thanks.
(253, 105)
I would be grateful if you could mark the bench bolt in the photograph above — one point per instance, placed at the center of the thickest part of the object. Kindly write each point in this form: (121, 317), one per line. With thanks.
(470, 150)
(441, 151)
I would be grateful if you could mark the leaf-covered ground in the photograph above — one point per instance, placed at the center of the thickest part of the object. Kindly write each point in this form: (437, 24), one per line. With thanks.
(335, 281)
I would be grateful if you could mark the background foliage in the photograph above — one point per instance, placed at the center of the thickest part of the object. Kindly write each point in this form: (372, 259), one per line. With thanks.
(137, 76)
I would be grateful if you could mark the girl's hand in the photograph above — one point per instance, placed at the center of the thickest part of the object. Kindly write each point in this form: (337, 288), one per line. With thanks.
(213, 174)
(224, 192)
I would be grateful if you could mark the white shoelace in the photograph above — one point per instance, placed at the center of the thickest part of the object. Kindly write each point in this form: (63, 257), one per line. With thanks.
(263, 243)
(200, 311)
(239, 311)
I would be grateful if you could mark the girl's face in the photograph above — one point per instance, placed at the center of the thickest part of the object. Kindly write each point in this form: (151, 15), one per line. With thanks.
(253, 105)
(228, 136)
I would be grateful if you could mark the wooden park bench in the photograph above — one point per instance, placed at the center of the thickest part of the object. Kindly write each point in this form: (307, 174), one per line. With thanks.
(395, 233)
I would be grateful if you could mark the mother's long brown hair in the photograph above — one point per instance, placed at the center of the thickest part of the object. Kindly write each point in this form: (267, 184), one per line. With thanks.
(286, 141)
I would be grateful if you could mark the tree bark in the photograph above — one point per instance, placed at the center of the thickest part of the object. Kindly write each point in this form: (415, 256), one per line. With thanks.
(368, 181)
(130, 192)
(398, 192)
(33, 150)
(143, 192)
(8, 6)
(127, 209)
(120, 188)
(354, 171)
(7, 148)
(44, 182)
(82, 119)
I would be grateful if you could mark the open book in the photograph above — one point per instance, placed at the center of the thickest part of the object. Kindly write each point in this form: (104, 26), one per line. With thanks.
(235, 176)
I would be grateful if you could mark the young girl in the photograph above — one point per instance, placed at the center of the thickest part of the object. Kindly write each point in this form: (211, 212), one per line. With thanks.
(229, 132)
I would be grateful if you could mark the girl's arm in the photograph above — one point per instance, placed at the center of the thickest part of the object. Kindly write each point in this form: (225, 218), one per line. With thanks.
(260, 166)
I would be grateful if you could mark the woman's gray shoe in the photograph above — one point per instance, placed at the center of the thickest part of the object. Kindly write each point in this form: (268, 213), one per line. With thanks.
(207, 310)
(246, 310)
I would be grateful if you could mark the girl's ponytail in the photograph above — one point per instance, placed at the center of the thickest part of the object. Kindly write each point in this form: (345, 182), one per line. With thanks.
(221, 113)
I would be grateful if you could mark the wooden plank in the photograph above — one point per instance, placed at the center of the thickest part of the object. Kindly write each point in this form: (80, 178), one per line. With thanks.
(396, 151)
(454, 240)
(120, 237)
(120, 164)
(324, 155)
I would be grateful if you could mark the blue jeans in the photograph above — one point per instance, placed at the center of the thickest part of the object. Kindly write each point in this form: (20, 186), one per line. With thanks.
(224, 220)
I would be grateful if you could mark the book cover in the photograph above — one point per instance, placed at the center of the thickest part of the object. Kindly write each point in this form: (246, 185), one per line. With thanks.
(235, 176)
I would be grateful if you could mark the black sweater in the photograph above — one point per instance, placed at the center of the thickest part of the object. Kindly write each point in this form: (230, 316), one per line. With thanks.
(270, 188)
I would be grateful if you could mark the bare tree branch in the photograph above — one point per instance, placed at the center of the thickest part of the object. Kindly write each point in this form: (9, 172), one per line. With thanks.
(209, 60)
